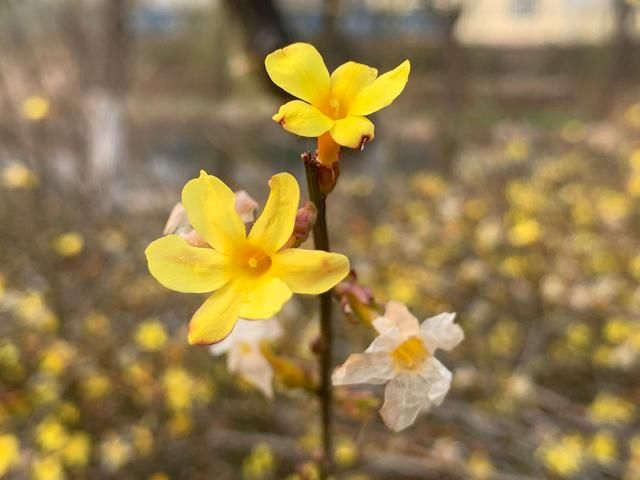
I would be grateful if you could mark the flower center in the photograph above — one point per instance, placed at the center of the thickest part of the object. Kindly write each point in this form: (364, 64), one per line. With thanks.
(410, 354)
(251, 260)
(258, 262)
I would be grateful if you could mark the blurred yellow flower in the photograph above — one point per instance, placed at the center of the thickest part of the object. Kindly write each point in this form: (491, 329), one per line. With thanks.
(178, 385)
(525, 233)
(17, 176)
(95, 386)
(180, 424)
(617, 330)
(332, 107)
(115, 452)
(578, 336)
(259, 464)
(479, 466)
(9, 452)
(51, 435)
(159, 476)
(252, 276)
(54, 360)
(77, 450)
(610, 409)
(151, 335)
(68, 244)
(429, 185)
(142, 439)
(564, 457)
(68, 412)
(516, 149)
(603, 448)
(346, 452)
(34, 312)
(35, 107)
(47, 468)
(632, 116)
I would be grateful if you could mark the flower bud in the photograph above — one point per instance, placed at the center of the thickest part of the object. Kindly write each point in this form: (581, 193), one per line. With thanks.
(357, 301)
(305, 220)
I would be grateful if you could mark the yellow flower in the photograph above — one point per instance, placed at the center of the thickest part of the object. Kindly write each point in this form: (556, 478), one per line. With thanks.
(564, 457)
(17, 176)
(604, 448)
(252, 276)
(331, 107)
(151, 335)
(35, 107)
(9, 452)
(480, 467)
(525, 233)
(77, 450)
(51, 435)
(68, 244)
(610, 409)
(47, 468)
(115, 452)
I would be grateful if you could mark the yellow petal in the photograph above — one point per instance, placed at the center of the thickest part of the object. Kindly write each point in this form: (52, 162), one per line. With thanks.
(210, 206)
(302, 119)
(299, 70)
(266, 300)
(382, 91)
(310, 271)
(275, 225)
(348, 80)
(353, 132)
(183, 268)
(215, 319)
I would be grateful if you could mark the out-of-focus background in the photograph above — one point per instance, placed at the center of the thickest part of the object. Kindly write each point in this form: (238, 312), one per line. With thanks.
(503, 185)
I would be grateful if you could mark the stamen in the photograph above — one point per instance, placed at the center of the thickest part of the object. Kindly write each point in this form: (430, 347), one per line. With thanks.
(253, 262)
(410, 354)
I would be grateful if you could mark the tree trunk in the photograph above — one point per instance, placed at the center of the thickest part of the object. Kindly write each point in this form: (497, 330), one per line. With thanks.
(107, 135)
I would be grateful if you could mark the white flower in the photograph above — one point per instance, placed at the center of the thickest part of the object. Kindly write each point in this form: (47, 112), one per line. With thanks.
(403, 356)
(244, 357)
(179, 223)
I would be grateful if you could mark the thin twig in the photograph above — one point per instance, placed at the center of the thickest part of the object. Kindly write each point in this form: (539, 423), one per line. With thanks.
(321, 242)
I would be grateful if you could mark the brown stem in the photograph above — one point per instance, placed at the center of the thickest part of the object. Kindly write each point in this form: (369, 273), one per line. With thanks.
(321, 242)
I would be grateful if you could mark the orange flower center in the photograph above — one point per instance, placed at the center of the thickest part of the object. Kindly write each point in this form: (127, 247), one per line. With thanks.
(410, 354)
(252, 261)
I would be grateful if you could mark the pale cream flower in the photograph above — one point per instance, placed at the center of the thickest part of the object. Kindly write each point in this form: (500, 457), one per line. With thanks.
(403, 356)
(179, 223)
(244, 356)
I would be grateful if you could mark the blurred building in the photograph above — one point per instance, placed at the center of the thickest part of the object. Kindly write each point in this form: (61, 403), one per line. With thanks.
(533, 23)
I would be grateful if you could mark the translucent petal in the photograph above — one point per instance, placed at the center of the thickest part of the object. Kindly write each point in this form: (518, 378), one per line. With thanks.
(412, 392)
(303, 119)
(215, 319)
(441, 332)
(265, 300)
(372, 368)
(299, 70)
(248, 362)
(382, 92)
(310, 271)
(386, 341)
(397, 315)
(275, 225)
(183, 268)
(210, 206)
(353, 132)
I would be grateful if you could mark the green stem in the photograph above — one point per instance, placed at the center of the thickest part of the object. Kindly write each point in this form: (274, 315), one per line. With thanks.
(321, 242)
